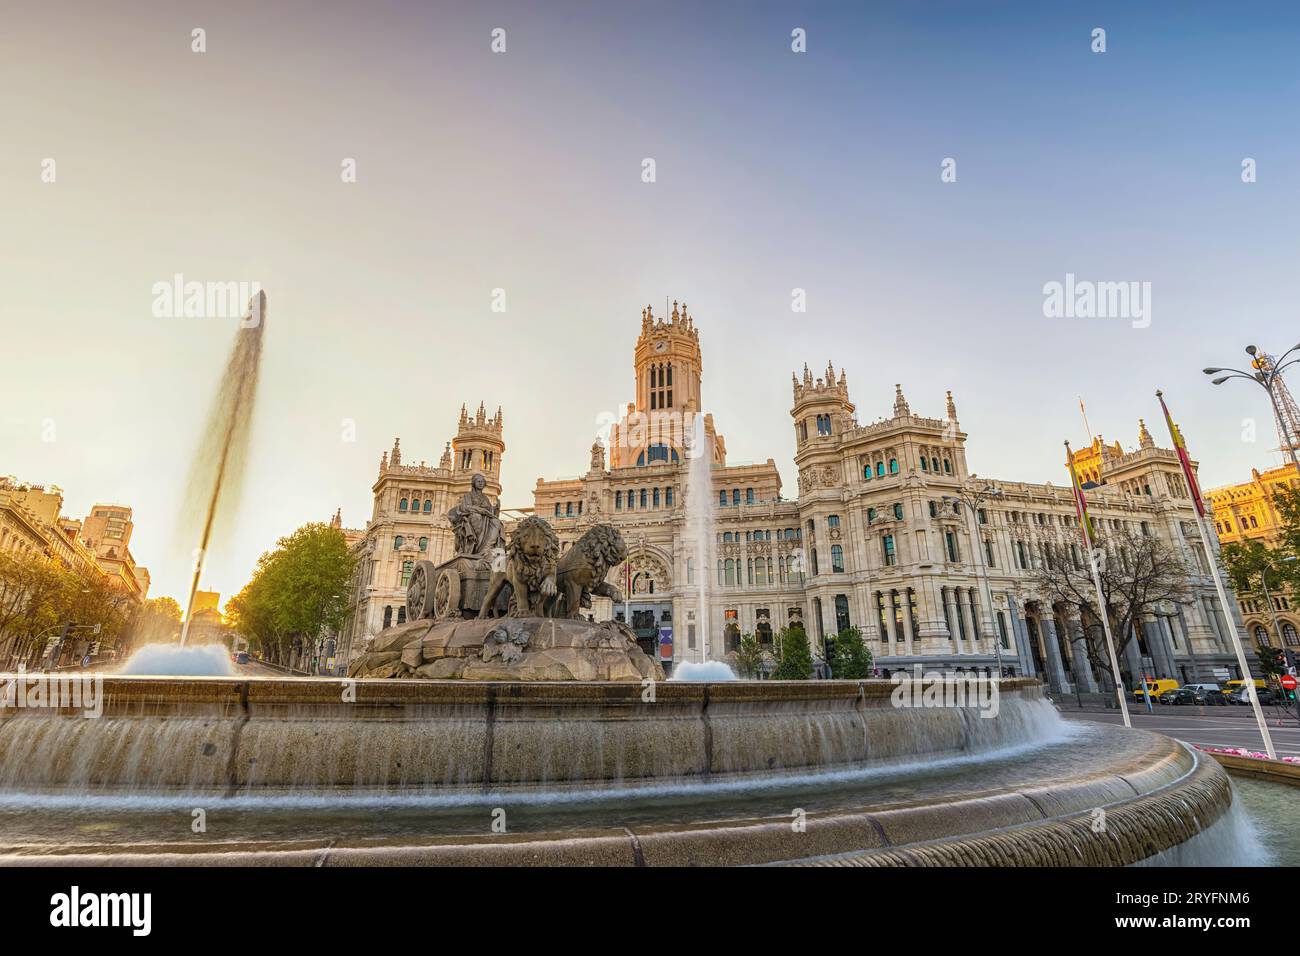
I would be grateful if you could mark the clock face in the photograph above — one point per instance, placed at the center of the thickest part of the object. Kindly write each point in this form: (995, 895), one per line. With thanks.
(660, 345)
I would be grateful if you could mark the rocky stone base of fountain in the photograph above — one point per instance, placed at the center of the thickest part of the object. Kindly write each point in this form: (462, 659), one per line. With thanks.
(508, 649)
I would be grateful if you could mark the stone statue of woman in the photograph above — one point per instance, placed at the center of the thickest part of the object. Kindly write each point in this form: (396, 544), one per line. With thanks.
(476, 521)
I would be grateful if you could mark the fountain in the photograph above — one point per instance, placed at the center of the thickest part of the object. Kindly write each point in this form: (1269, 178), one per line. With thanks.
(214, 481)
(499, 697)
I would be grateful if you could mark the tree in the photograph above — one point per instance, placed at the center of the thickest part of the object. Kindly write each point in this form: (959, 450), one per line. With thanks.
(297, 590)
(1139, 574)
(796, 658)
(850, 659)
(751, 658)
(157, 622)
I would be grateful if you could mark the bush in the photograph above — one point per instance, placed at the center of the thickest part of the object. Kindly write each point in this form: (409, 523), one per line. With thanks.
(850, 659)
(796, 657)
(750, 657)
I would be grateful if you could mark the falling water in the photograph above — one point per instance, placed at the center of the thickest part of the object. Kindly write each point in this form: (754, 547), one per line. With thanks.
(219, 464)
(699, 518)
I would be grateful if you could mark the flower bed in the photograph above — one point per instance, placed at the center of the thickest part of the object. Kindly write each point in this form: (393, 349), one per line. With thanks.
(1243, 752)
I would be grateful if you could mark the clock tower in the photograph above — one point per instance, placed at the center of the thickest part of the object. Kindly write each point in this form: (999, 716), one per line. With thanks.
(668, 373)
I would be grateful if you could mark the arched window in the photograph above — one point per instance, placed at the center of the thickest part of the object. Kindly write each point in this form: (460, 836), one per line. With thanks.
(735, 496)
(866, 472)
(837, 558)
(388, 615)
(934, 464)
(761, 578)
(398, 542)
(618, 501)
(898, 512)
(924, 464)
(406, 572)
(749, 496)
(424, 544)
(656, 497)
(730, 566)
(401, 505)
(668, 496)
(1261, 636)
(893, 466)
(947, 467)
(1289, 635)
(644, 498)
(428, 505)
(557, 509)
(722, 498)
(880, 469)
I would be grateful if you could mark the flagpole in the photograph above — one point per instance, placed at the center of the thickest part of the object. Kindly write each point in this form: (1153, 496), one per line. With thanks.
(1247, 680)
(1080, 505)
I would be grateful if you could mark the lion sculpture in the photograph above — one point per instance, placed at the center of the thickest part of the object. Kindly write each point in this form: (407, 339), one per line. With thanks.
(529, 570)
(582, 569)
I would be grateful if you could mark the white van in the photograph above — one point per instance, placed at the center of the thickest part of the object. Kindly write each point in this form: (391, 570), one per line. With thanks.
(1201, 687)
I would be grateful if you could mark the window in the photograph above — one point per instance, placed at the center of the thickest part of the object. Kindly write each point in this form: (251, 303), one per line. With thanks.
(557, 509)
(880, 469)
(893, 466)
(947, 467)
(398, 542)
(951, 540)
(388, 616)
(644, 498)
(924, 464)
(406, 572)
(988, 553)
(568, 508)
(898, 512)
(871, 515)
(730, 567)
(833, 521)
(735, 496)
(401, 505)
(722, 498)
(428, 505)
(866, 472)
(618, 501)
(983, 517)
(424, 544)
(842, 622)
(837, 559)
(1002, 630)
(668, 496)
(656, 497)
(887, 547)
(1289, 636)
(934, 509)
(934, 464)
(749, 496)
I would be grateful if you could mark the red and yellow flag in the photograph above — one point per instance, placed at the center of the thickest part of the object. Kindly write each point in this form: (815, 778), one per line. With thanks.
(1181, 447)
(1080, 502)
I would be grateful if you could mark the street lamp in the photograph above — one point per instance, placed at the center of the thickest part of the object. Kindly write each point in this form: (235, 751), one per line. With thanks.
(1263, 580)
(1266, 380)
(972, 496)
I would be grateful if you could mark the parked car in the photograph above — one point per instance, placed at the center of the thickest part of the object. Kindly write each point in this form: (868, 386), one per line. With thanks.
(1179, 695)
(1213, 698)
(1266, 695)
(1153, 687)
(241, 657)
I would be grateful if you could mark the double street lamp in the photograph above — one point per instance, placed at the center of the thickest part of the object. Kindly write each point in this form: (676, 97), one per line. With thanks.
(973, 495)
(1267, 378)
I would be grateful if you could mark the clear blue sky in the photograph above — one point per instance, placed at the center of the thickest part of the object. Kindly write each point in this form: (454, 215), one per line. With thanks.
(522, 171)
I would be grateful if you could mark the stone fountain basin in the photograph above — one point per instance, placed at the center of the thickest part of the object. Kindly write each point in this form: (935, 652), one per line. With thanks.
(927, 795)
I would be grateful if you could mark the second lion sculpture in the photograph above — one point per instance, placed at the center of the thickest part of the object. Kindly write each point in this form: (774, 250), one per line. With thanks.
(544, 584)
(582, 569)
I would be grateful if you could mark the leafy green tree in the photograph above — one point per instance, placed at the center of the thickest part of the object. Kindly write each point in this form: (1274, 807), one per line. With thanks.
(751, 658)
(850, 659)
(296, 591)
(157, 622)
(796, 657)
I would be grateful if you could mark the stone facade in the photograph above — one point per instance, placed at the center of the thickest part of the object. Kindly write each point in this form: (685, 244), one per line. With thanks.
(1245, 512)
(867, 542)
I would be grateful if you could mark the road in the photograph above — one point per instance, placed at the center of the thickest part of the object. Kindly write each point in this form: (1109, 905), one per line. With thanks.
(1209, 726)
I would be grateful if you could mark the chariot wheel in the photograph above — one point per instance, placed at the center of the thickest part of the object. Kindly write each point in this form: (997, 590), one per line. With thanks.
(445, 594)
(419, 592)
